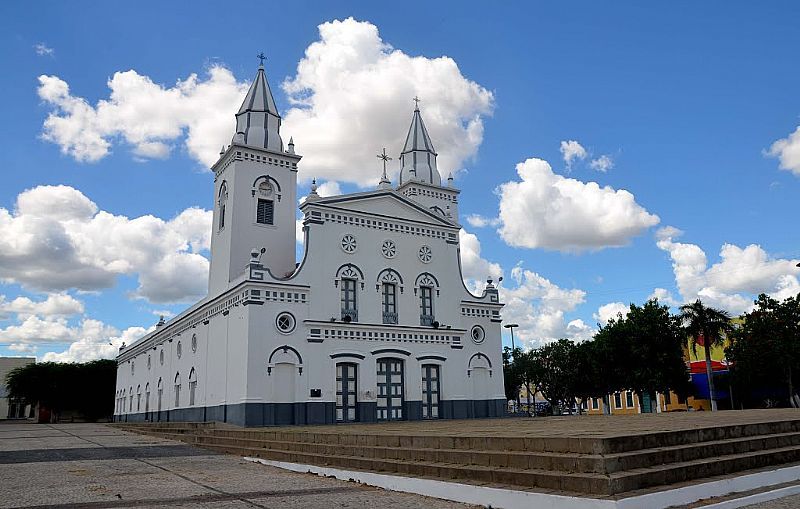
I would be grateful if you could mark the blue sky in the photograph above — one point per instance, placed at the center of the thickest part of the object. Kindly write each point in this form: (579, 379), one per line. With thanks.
(685, 99)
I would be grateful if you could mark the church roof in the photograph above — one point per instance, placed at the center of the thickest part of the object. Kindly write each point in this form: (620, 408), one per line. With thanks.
(420, 213)
(418, 137)
(258, 123)
(418, 158)
(259, 97)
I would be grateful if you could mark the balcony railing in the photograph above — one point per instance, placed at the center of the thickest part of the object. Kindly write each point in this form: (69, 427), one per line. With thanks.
(426, 320)
(389, 317)
(351, 313)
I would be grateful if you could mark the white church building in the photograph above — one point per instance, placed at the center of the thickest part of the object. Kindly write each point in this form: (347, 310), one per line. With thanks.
(373, 324)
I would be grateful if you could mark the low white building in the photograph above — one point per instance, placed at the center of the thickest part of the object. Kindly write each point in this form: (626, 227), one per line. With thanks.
(12, 408)
(374, 323)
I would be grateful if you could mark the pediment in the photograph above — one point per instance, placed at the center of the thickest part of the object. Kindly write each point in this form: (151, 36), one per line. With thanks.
(385, 203)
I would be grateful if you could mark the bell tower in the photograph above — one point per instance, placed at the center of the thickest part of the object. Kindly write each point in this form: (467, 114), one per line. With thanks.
(255, 193)
(420, 179)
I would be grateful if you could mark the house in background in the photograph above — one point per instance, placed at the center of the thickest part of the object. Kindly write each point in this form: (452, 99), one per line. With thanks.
(10, 408)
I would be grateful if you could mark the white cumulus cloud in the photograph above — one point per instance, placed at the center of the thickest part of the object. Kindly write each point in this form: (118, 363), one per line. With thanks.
(56, 304)
(546, 210)
(351, 96)
(735, 280)
(479, 221)
(149, 117)
(540, 307)
(57, 239)
(602, 163)
(787, 150)
(611, 310)
(571, 151)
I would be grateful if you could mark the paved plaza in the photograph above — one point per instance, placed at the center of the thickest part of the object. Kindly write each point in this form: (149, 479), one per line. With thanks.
(93, 465)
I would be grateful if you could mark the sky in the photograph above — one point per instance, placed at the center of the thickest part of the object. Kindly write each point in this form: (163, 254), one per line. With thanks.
(606, 152)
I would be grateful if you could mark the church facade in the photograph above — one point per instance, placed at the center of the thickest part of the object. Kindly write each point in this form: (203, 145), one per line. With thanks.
(373, 324)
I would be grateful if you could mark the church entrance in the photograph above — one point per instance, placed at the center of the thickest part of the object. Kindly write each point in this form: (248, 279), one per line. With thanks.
(390, 389)
(430, 391)
(346, 390)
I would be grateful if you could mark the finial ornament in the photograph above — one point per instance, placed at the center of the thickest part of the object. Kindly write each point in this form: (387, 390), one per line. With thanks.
(416, 102)
(385, 158)
(261, 56)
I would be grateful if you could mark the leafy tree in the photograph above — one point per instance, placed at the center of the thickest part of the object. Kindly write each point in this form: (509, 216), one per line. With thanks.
(554, 364)
(87, 388)
(512, 373)
(710, 324)
(765, 352)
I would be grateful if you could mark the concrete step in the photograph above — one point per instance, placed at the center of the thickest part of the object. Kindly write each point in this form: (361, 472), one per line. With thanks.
(564, 462)
(367, 436)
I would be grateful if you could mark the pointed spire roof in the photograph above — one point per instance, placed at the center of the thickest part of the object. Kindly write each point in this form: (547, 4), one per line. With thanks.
(258, 122)
(418, 158)
(259, 97)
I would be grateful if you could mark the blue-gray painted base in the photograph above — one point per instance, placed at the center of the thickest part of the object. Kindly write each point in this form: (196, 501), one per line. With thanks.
(316, 412)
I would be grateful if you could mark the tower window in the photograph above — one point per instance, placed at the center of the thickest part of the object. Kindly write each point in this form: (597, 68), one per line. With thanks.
(223, 198)
(265, 212)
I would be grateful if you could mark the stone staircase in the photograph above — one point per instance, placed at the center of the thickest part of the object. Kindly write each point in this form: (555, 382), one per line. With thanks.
(598, 466)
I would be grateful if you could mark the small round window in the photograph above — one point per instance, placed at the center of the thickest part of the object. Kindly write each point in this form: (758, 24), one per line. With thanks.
(478, 334)
(179, 349)
(161, 357)
(194, 342)
(285, 322)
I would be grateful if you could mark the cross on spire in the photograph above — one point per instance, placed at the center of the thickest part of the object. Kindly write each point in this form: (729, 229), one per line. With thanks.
(261, 56)
(385, 158)
(416, 102)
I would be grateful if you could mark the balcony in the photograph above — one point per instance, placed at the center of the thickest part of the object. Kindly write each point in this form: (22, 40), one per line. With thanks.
(426, 320)
(349, 315)
(389, 317)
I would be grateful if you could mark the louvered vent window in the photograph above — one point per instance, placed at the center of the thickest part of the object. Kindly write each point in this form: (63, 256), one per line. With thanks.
(266, 211)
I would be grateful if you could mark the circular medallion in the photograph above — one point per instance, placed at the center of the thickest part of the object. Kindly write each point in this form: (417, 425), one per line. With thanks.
(388, 249)
(349, 244)
(425, 254)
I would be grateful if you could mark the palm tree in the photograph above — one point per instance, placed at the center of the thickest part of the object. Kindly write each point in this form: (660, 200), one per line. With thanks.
(710, 324)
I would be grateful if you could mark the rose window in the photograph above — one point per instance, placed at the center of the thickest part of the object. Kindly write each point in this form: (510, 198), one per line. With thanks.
(349, 244)
(425, 254)
(389, 249)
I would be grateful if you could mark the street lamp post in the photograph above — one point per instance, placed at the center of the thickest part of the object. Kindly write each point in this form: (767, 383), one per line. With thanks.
(511, 327)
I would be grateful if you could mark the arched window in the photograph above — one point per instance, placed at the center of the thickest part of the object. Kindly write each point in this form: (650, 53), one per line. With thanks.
(160, 394)
(388, 283)
(130, 401)
(347, 278)
(221, 201)
(147, 398)
(265, 204)
(138, 398)
(177, 390)
(424, 287)
(192, 386)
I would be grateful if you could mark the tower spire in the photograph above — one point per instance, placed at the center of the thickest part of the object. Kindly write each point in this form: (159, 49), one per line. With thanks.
(418, 158)
(258, 122)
